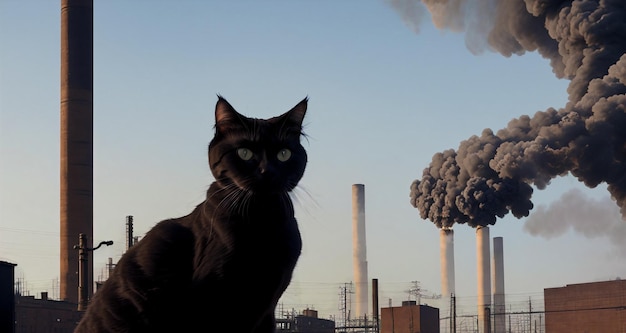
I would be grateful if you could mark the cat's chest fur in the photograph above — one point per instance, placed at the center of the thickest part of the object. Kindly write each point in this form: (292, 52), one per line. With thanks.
(263, 236)
(243, 259)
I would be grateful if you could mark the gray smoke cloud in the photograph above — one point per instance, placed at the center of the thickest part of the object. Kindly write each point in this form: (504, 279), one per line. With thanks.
(586, 216)
(491, 175)
(474, 17)
(411, 12)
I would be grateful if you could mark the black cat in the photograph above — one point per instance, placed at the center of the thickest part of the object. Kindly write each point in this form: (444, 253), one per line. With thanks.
(223, 267)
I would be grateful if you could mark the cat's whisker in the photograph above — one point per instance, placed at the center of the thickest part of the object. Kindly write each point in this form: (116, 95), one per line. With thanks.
(237, 202)
(229, 199)
(286, 199)
(220, 190)
(301, 196)
(245, 203)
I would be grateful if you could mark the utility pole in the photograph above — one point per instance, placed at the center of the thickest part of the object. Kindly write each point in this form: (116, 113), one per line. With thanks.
(487, 319)
(415, 291)
(510, 310)
(530, 315)
(418, 292)
(83, 269)
(345, 302)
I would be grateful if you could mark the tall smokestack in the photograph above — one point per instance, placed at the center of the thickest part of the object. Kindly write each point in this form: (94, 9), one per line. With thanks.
(446, 248)
(76, 177)
(129, 232)
(499, 318)
(484, 277)
(375, 303)
(359, 255)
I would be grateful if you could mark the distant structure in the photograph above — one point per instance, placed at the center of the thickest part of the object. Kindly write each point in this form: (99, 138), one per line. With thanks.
(39, 315)
(446, 253)
(409, 318)
(483, 269)
(7, 297)
(499, 304)
(359, 252)
(76, 177)
(586, 307)
(308, 322)
(129, 232)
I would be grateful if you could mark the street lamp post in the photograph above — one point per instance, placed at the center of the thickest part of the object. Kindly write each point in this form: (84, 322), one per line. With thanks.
(83, 269)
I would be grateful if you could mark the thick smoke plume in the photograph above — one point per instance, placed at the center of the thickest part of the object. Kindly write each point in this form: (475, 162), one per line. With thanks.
(576, 212)
(490, 175)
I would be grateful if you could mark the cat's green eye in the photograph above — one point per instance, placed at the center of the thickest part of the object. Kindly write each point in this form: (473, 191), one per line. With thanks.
(245, 154)
(284, 155)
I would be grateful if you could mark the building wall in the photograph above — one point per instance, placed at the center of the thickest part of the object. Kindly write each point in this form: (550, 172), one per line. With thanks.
(429, 319)
(44, 316)
(409, 319)
(7, 300)
(586, 307)
(305, 324)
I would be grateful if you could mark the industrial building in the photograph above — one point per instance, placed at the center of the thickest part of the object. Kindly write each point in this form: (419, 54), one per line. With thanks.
(409, 318)
(7, 301)
(586, 307)
(308, 322)
(34, 315)
(27, 314)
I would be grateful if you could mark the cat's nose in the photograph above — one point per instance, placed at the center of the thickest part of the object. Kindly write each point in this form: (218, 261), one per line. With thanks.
(265, 169)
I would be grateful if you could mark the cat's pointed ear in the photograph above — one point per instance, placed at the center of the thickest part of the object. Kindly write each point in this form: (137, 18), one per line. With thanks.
(226, 118)
(291, 121)
(295, 116)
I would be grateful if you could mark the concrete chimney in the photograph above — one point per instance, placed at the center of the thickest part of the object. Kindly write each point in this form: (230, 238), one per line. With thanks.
(499, 318)
(359, 255)
(76, 176)
(483, 277)
(446, 249)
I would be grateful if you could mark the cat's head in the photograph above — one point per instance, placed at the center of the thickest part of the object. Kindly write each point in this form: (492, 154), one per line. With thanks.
(258, 155)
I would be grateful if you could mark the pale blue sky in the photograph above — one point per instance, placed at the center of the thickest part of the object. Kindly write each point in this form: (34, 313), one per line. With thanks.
(383, 100)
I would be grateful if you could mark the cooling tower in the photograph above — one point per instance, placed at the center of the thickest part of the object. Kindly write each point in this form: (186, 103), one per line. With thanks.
(499, 318)
(483, 278)
(446, 248)
(76, 176)
(359, 256)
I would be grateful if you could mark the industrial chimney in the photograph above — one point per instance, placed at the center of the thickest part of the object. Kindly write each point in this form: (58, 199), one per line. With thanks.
(446, 248)
(499, 318)
(76, 176)
(359, 255)
(483, 278)
(129, 232)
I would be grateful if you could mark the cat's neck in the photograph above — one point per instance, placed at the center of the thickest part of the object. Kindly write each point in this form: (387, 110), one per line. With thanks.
(267, 214)
(231, 202)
